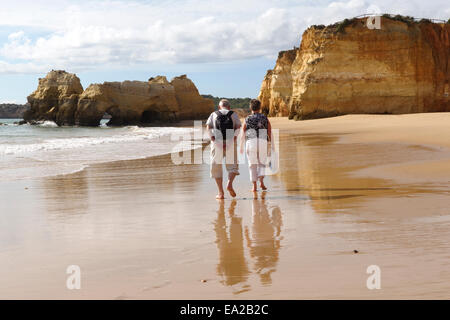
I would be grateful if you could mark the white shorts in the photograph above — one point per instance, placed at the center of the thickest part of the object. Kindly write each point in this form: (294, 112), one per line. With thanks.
(217, 156)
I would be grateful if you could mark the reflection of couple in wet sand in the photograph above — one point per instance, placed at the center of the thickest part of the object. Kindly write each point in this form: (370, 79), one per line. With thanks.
(262, 240)
(223, 128)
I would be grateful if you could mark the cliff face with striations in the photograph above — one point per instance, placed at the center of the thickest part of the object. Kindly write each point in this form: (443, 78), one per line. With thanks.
(276, 89)
(55, 98)
(60, 98)
(128, 102)
(404, 67)
(193, 103)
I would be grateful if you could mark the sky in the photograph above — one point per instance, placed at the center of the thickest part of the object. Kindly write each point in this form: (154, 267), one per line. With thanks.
(225, 47)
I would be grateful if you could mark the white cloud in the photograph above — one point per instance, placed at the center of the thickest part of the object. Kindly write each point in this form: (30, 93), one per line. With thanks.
(29, 67)
(16, 35)
(80, 35)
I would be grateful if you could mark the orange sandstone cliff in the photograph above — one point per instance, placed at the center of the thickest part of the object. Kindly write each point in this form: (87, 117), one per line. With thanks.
(345, 68)
(61, 98)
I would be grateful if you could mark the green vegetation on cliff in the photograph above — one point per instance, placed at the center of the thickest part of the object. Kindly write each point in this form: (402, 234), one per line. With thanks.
(242, 103)
(398, 17)
(339, 27)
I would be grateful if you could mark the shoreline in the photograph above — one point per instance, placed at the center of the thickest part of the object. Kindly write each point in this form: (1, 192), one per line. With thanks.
(59, 151)
(358, 134)
(368, 131)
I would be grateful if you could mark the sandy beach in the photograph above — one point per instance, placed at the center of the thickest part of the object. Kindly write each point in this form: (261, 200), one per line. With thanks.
(149, 229)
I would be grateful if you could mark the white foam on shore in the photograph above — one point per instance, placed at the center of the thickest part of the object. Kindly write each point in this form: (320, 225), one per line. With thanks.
(47, 124)
(132, 134)
(52, 151)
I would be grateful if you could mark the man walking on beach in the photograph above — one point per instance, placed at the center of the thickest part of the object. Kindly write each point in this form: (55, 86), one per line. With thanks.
(223, 127)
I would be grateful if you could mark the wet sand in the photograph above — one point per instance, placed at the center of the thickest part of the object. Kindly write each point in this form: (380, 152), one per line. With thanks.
(149, 229)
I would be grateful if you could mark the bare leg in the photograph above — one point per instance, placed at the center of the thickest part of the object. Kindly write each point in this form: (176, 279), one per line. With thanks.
(219, 182)
(230, 184)
(261, 183)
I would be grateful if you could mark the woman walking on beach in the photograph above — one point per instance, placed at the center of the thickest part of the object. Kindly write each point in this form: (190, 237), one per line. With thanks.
(257, 132)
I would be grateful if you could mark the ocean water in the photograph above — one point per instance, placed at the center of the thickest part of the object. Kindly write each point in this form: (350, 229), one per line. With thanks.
(46, 150)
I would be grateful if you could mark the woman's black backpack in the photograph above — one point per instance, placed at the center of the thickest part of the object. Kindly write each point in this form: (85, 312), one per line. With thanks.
(223, 123)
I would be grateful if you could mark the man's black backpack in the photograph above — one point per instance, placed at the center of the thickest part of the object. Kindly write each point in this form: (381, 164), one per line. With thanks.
(224, 122)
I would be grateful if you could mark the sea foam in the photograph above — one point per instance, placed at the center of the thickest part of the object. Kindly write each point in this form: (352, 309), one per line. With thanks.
(45, 150)
(131, 134)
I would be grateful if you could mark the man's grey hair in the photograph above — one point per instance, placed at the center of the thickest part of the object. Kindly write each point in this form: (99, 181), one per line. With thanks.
(224, 103)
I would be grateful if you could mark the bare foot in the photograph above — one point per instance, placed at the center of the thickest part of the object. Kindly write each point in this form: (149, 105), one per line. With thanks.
(261, 183)
(231, 191)
(255, 187)
(220, 196)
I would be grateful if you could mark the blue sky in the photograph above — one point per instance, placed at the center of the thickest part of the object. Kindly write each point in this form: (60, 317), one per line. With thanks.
(225, 47)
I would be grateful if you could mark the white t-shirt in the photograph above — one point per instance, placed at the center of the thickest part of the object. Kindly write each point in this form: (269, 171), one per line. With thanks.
(212, 119)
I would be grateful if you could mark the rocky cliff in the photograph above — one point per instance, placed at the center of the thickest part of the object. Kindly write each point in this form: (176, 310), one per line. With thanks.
(276, 90)
(193, 103)
(12, 111)
(403, 67)
(55, 99)
(60, 98)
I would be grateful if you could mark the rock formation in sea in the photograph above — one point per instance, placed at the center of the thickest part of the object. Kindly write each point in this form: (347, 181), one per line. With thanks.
(55, 99)
(403, 67)
(60, 98)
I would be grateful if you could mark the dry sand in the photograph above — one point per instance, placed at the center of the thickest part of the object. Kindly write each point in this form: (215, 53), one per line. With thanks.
(148, 229)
